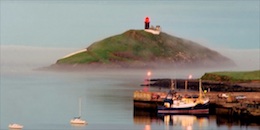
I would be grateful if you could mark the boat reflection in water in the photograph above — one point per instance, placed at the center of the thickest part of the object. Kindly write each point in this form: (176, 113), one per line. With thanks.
(185, 121)
(153, 121)
(146, 117)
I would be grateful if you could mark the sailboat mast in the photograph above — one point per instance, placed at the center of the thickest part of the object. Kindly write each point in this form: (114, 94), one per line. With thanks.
(79, 107)
(172, 84)
(200, 89)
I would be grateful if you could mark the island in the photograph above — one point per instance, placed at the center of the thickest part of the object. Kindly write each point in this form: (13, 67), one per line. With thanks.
(142, 49)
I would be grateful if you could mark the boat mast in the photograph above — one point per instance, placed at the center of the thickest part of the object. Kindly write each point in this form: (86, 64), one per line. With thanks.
(200, 89)
(79, 107)
(172, 85)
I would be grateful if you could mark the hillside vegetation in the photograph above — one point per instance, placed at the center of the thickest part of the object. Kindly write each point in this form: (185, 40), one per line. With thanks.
(233, 76)
(139, 48)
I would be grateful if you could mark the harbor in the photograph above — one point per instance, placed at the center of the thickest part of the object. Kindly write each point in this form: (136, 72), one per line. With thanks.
(241, 104)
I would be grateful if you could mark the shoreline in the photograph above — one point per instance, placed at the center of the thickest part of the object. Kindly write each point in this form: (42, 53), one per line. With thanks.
(248, 107)
(209, 86)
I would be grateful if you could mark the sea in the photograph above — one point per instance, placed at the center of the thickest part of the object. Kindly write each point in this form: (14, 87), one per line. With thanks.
(36, 34)
(48, 100)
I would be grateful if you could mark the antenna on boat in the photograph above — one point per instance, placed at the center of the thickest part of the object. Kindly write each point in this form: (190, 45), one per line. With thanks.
(172, 85)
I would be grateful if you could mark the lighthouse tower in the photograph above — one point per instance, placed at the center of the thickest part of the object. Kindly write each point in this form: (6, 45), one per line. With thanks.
(147, 28)
(147, 23)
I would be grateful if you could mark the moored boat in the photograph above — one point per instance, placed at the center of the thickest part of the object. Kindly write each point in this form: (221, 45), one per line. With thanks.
(15, 126)
(77, 121)
(176, 104)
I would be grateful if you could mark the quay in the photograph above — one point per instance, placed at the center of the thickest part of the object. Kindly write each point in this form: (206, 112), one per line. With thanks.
(148, 100)
(250, 106)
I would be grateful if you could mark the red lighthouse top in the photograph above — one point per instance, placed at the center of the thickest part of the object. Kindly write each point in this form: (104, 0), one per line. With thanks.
(147, 20)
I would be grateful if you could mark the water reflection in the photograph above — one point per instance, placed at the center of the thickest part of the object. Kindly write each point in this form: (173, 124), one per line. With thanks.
(192, 122)
(146, 118)
(230, 121)
(185, 121)
(147, 127)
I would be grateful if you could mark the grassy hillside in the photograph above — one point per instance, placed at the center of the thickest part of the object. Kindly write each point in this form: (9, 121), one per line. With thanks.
(233, 76)
(143, 47)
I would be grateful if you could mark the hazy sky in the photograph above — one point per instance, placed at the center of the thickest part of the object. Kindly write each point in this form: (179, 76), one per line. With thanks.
(230, 24)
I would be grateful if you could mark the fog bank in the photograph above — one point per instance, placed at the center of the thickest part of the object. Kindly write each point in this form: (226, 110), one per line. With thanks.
(24, 58)
(247, 59)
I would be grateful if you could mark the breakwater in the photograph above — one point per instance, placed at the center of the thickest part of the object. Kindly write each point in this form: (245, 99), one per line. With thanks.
(250, 106)
(215, 86)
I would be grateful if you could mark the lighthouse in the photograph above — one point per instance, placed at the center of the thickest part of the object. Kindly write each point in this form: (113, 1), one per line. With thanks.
(147, 28)
(147, 23)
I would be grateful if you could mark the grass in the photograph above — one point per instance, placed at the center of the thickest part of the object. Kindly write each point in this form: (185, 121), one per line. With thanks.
(138, 45)
(103, 51)
(233, 76)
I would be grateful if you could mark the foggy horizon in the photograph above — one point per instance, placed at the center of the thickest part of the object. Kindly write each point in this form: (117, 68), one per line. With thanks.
(27, 59)
(36, 34)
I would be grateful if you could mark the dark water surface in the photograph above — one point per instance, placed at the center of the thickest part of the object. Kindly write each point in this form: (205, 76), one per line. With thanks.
(48, 100)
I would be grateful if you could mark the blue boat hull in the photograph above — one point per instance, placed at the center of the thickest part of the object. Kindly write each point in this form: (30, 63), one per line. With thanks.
(198, 109)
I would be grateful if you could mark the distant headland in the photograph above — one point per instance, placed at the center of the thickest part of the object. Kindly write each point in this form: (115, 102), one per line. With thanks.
(148, 47)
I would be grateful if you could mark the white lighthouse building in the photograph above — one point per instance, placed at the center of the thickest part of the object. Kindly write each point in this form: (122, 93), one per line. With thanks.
(154, 30)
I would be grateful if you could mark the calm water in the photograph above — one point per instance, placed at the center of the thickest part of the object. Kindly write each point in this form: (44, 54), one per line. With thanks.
(48, 100)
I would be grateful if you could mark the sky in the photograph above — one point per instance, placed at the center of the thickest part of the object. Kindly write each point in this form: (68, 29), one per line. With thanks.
(232, 24)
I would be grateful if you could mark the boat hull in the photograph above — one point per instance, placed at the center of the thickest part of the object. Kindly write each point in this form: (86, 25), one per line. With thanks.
(198, 109)
(15, 126)
(78, 121)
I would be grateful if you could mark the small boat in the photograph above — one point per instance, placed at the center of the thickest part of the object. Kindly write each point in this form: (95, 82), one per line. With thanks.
(176, 104)
(78, 120)
(15, 126)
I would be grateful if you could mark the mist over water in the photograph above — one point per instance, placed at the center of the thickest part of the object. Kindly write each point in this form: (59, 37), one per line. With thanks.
(24, 58)
(247, 59)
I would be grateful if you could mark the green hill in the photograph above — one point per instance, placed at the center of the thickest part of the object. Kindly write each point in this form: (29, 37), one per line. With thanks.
(237, 76)
(137, 48)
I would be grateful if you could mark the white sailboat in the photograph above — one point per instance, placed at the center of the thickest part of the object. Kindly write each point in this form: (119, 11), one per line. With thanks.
(15, 126)
(78, 120)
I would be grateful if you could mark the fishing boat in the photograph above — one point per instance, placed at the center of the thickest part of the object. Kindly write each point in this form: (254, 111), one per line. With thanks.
(78, 120)
(15, 126)
(176, 104)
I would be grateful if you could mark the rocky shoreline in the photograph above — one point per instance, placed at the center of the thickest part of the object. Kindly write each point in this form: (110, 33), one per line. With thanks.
(214, 86)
